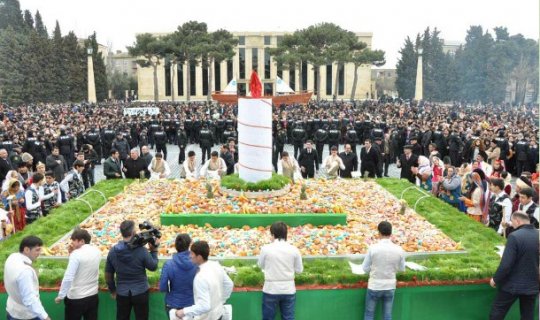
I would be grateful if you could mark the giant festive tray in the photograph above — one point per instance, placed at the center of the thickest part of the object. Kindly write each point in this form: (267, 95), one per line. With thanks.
(365, 203)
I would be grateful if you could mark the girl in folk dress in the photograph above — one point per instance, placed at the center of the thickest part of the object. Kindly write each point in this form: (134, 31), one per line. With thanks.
(13, 199)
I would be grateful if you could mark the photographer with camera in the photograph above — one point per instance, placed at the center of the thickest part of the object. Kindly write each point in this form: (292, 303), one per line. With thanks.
(129, 260)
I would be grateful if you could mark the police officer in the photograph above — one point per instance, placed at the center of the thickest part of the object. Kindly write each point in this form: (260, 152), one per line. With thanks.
(108, 138)
(298, 137)
(321, 137)
(121, 145)
(351, 138)
(279, 142)
(93, 139)
(521, 149)
(333, 136)
(66, 146)
(182, 140)
(160, 138)
(206, 143)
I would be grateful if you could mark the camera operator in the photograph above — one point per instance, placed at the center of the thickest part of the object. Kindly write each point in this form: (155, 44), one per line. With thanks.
(129, 260)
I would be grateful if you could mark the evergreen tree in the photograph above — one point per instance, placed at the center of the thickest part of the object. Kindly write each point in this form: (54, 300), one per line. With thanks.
(59, 64)
(28, 20)
(12, 46)
(40, 27)
(10, 15)
(406, 70)
(76, 68)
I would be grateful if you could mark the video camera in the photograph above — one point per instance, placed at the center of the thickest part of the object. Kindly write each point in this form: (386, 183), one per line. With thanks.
(148, 235)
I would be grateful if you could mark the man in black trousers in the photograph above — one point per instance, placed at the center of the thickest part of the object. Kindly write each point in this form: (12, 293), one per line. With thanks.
(517, 275)
(308, 160)
(406, 161)
(369, 159)
(350, 160)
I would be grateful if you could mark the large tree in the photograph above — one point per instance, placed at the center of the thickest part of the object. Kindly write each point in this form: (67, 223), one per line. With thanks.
(151, 49)
(12, 46)
(190, 41)
(76, 68)
(406, 70)
(10, 15)
(364, 56)
(220, 47)
(289, 54)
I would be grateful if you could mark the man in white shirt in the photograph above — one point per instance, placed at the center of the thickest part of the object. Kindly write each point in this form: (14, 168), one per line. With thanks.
(211, 287)
(383, 260)
(215, 168)
(279, 262)
(189, 167)
(33, 198)
(333, 163)
(73, 185)
(21, 282)
(79, 288)
(527, 205)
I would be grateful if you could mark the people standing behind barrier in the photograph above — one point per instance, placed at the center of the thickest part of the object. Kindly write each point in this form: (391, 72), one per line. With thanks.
(125, 273)
(211, 286)
(79, 288)
(279, 261)
(177, 276)
(383, 260)
(22, 284)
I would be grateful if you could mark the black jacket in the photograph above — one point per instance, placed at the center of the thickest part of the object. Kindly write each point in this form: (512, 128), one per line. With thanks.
(309, 160)
(518, 271)
(405, 166)
(351, 164)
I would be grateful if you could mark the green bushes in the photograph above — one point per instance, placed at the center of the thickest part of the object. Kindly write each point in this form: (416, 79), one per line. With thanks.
(234, 182)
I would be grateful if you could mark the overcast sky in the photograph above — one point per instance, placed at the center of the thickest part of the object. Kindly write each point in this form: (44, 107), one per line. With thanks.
(391, 21)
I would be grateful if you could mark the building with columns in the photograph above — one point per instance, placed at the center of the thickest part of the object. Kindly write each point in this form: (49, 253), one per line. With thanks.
(252, 51)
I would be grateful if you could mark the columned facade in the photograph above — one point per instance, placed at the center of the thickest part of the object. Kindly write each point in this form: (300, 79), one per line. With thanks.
(253, 48)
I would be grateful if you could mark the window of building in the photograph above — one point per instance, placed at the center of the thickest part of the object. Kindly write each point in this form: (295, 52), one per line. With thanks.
(229, 70)
(242, 89)
(292, 79)
(242, 62)
(268, 89)
(328, 79)
(204, 80)
(341, 80)
(267, 63)
(241, 40)
(167, 78)
(304, 75)
(192, 80)
(180, 77)
(315, 81)
(255, 59)
(267, 40)
(217, 76)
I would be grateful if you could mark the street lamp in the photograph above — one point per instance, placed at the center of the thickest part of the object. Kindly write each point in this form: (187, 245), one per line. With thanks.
(419, 92)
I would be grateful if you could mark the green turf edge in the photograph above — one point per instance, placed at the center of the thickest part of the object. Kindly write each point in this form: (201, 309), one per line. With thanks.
(479, 262)
(253, 220)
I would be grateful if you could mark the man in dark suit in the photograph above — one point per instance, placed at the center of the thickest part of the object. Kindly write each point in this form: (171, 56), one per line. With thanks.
(111, 167)
(406, 161)
(350, 160)
(369, 158)
(517, 275)
(308, 160)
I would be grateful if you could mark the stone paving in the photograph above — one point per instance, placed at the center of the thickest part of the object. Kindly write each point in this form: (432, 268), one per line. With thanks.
(173, 150)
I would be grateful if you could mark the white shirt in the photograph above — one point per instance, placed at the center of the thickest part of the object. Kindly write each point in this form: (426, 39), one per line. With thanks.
(51, 194)
(28, 197)
(189, 173)
(536, 213)
(328, 162)
(295, 166)
(213, 174)
(383, 260)
(507, 210)
(64, 185)
(279, 262)
(82, 273)
(157, 175)
(211, 288)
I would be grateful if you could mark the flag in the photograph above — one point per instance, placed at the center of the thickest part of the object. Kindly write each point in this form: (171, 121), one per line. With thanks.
(255, 86)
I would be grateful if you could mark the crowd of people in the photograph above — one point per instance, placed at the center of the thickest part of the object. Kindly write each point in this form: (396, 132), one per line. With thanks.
(454, 151)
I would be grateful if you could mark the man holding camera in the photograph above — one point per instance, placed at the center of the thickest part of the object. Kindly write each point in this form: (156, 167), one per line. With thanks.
(129, 260)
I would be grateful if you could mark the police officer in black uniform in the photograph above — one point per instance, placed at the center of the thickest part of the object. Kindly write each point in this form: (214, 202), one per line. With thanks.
(182, 140)
(108, 138)
(298, 138)
(321, 137)
(279, 144)
(160, 138)
(93, 138)
(333, 137)
(206, 143)
(66, 147)
(351, 138)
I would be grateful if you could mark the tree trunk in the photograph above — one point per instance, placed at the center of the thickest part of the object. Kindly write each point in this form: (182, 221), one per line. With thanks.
(210, 76)
(300, 84)
(188, 80)
(156, 92)
(355, 80)
(173, 75)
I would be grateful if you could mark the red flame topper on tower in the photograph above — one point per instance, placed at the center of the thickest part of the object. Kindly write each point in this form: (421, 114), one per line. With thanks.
(255, 86)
